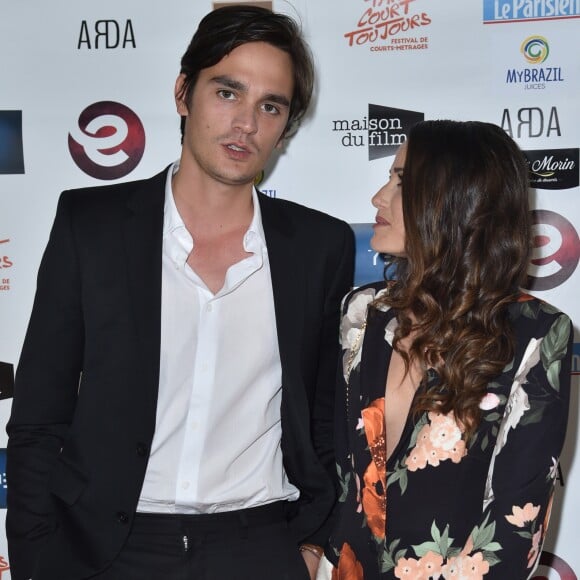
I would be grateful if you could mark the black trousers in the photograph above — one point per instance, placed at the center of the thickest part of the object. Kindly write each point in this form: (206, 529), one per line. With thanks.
(250, 544)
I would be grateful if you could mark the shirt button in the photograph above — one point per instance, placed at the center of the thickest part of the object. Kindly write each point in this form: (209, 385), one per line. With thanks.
(185, 485)
(122, 517)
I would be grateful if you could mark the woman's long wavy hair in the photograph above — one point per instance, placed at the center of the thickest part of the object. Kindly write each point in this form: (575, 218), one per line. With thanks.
(467, 242)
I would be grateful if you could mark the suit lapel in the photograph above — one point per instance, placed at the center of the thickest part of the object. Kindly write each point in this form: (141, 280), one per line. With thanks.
(143, 235)
(288, 282)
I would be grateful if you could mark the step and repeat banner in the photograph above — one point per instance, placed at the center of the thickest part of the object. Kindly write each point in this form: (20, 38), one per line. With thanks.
(86, 97)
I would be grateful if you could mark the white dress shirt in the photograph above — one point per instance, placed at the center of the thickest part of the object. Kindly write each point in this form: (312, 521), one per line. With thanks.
(216, 445)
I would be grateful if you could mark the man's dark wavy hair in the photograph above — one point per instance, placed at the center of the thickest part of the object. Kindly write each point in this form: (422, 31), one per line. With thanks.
(226, 28)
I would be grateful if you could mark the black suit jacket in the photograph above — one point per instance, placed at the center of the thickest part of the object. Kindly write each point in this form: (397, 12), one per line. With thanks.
(86, 387)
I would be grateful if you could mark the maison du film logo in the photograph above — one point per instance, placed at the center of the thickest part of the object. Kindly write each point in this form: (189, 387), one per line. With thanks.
(554, 168)
(108, 142)
(505, 11)
(534, 51)
(391, 25)
(6, 380)
(382, 131)
(11, 149)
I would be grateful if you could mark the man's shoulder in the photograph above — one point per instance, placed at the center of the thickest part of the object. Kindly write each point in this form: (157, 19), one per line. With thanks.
(115, 192)
(301, 214)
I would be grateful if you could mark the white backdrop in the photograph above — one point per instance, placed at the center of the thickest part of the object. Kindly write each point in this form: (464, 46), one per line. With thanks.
(382, 64)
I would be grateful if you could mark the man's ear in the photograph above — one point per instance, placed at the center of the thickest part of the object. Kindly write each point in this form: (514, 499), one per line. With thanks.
(179, 94)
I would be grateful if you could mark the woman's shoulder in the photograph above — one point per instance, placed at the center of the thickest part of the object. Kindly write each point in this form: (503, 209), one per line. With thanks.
(362, 296)
(536, 315)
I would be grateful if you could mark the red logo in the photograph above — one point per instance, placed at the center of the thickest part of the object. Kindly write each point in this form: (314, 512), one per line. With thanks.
(550, 562)
(109, 141)
(555, 252)
(5, 261)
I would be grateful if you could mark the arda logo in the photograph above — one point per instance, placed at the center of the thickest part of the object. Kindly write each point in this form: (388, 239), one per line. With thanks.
(109, 141)
(555, 253)
(550, 563)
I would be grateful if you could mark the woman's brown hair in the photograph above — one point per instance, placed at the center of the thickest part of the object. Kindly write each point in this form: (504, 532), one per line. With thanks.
(467, 242)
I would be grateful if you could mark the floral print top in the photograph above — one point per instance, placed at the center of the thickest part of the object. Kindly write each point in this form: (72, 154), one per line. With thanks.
(441, 506)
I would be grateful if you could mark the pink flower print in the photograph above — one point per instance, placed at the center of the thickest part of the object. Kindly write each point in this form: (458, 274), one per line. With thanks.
(430, 565)
(489, 401)
(444, 431)
(458, 452)
(417, 459)
(535, 549)
(464, 567)
(520, 516)
(407, 568)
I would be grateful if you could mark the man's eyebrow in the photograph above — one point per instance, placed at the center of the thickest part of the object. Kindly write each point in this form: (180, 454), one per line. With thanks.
(233, 84)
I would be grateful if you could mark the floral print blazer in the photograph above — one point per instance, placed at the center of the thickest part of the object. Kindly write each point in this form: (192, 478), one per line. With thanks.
(441, 506)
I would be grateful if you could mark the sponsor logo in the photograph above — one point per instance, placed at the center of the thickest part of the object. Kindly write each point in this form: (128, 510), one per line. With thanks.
(6, 380)
(109, 141)
(550, 563)
(11, 149)
(531, 122)
(576, 358)
(2, 488)
(106, 34)
(554, 168)
(498, 11)
(383, 130)
(5, 263)
(369, 266)
(535, 50)
(391, 25)
(555, 252)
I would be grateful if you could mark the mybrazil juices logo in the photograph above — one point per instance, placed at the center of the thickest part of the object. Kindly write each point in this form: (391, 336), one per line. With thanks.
(108, 142)
(505, 11)
(554, 168)
(555, 252)
(382, 131)
(391, 26)
(535, 51)
(11, 149)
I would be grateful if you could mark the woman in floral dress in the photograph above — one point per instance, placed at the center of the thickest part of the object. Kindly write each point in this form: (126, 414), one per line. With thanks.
(453, 399)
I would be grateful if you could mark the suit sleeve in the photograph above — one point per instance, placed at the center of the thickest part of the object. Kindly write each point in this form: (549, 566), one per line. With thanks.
(45, 392)
(339, 284)
(513, 528)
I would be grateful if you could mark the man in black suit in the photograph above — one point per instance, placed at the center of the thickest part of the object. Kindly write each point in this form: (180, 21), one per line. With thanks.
(173, 403)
